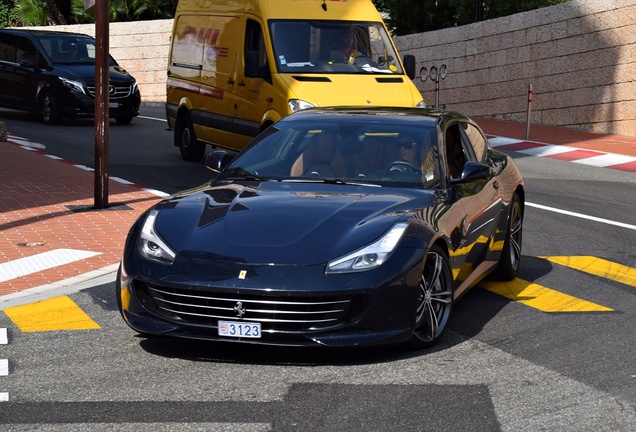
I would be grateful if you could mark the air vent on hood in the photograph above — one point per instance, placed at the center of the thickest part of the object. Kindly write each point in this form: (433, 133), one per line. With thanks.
(389, 80)
(311, 78)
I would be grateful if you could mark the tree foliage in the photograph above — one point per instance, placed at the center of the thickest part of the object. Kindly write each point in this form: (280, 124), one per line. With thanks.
(53, 12)
(417, 16)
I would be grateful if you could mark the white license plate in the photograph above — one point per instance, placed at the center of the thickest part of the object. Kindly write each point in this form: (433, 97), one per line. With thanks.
(240, 329)
(113, 105)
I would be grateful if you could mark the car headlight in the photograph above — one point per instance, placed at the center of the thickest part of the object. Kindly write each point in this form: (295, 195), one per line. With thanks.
(298, 104)
(421, 104)
(134, 86)
(73, 85)
(370, 256)
(150, 245)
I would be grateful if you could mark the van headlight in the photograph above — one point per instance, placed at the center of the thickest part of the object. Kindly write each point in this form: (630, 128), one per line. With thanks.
(421, 104)
(75, 86)
(150, 245)
(371, 256)
(298, 104)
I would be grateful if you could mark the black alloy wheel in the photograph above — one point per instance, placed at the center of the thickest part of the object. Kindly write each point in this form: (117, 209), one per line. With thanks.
(511, 252)
(435, 299)
(49, 109)
(123, 120)
(191, 149)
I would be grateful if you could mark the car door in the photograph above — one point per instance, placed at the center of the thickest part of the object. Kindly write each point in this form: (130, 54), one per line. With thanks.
(475, 236)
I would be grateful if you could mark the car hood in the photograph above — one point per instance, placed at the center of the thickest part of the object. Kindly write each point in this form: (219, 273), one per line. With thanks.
(281, 223)
(86, 72)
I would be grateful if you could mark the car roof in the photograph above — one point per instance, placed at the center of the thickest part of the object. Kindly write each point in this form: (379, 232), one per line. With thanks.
(422, 116)
(37, 32)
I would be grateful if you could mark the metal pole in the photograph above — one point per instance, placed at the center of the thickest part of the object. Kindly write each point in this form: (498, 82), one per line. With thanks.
(437, 92)
(102, 69)
(529, 112)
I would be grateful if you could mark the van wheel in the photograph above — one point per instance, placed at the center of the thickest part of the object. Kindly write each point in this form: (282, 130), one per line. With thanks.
(49, 109)
(123, 120)
(184, 136)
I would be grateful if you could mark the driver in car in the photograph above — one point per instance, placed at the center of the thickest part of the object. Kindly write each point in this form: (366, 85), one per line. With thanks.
(344, 48)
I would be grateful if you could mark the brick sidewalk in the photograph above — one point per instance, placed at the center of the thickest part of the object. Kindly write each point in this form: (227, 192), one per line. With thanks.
(561, 136)
(36, 216)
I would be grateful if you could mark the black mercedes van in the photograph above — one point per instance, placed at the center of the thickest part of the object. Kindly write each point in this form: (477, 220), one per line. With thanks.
(52, 74)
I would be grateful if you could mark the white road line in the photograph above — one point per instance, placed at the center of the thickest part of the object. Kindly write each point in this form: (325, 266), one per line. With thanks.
(607, 159)
(4, 397)
(43, 261)
(3, 336)
(152, 118)
(4, 367)
(582, 216)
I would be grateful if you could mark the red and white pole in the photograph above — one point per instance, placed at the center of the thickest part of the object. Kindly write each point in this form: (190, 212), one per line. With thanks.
(529, 111)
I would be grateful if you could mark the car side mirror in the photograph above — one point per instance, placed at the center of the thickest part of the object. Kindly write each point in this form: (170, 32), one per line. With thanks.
(472, 171)
(409, 65)
(218, 160)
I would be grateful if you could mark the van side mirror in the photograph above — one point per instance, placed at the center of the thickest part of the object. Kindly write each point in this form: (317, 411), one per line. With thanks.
(409, 65)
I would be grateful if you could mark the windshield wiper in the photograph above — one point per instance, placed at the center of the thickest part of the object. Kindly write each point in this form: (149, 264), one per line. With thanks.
(243, 174)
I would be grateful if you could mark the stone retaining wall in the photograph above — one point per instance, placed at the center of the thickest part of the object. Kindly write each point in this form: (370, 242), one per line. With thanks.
(579, 57)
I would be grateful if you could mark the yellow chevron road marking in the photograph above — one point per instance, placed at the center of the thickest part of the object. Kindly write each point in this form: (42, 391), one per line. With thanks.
(540, 297)
(57, 313)
(598, 267)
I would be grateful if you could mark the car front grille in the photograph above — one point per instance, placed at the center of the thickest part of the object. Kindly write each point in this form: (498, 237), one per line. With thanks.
(115, 91)
(202, 307)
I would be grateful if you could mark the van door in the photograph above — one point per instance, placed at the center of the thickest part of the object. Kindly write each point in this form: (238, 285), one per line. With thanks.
(218, 81)
(253, 92)
(7, 69)
(28, 75)
(184, 67)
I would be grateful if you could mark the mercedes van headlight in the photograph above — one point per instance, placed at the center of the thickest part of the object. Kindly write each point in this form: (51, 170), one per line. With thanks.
(421, 104)
(150, 245)
(371, 256)
(73, 85)
(298, 104)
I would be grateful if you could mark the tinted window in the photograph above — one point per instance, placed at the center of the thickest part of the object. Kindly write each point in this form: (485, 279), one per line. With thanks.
(477, 141)
(7, 47)
(26, 51)
(381, 154)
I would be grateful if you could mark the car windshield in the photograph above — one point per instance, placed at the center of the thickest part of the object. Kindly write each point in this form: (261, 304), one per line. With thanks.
(348, 47)
(352, 151)
(70, 49)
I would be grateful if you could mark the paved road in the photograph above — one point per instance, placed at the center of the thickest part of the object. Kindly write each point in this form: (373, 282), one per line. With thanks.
(507, 363)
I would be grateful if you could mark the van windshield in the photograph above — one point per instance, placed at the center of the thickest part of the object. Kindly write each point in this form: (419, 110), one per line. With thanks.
(344, 47)
(64, 49)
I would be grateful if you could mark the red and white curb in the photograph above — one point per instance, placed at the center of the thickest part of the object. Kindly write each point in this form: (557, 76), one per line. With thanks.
(565, 153)
(39, 148)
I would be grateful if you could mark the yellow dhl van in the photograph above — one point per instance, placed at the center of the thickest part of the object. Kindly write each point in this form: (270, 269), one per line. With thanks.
(237, 66)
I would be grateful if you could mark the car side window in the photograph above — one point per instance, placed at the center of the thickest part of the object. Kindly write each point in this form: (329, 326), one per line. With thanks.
(26, 51)
(477, 142)
(7, 48)
(455, 151)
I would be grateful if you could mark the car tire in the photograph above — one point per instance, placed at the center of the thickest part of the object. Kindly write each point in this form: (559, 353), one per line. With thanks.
(434, 300)
(511, 253)
(49, 109)
(123, 120)
(191, 149)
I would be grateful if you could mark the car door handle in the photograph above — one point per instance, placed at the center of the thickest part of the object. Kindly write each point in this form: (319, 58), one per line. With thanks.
(241, 84)
(495, 184)
(230, 81)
